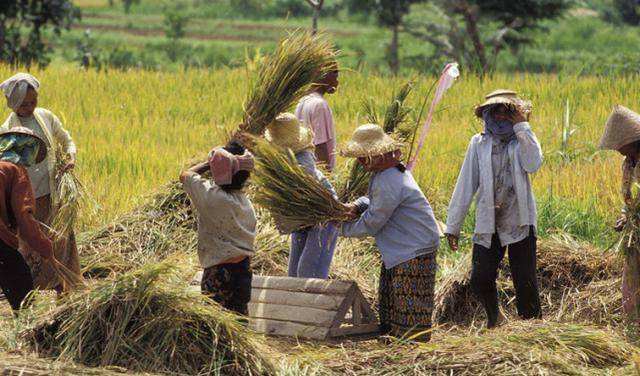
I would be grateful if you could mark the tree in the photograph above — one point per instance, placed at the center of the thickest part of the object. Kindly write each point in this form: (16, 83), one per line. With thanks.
(390, 14)
(506, 22)
(317, 7)
(629, 11)
(128, 3)
(22, 23)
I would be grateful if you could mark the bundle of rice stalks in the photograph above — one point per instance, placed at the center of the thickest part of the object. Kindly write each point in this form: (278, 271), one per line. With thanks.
(286, 76)
(72, 198)
(26, 365)
(519, 348)
(294, 198)
(355, 183)
(68, 278)
(563, 268)
(145, 321)
(598, 302)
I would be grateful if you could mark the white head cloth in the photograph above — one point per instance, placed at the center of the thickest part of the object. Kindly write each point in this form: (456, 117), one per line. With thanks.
(15, 89)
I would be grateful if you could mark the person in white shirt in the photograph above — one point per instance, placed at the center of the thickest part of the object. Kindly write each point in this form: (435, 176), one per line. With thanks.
(314, 112)
(226, 225)
(496, 168)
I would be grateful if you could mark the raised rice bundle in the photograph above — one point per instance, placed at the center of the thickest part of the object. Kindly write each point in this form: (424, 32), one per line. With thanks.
(147, 321)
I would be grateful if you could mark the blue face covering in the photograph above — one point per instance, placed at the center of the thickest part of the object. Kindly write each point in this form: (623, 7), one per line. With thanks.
(19, 149)
(502, 129)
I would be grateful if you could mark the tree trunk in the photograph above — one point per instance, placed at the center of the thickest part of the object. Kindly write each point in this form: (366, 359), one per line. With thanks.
(394, 60)
(314, 25)
(471, 19)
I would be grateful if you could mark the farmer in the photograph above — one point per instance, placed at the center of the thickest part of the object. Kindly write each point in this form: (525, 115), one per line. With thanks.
(497, 167)
(314, 112)
(398, 215)
(21, 92)
(312, 248)
(226, 224)
(19, 148)
(622, 133)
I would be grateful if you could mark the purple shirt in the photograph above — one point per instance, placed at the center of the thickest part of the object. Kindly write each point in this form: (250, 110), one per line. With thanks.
(314, 112)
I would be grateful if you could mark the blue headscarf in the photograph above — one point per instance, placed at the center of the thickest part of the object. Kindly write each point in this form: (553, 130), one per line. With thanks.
(502, 129)
(19, 148)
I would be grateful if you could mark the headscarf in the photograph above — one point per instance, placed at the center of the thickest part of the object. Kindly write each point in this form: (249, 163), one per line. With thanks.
(19, 148)
(224, 165)
(15, 89)
(502, 129)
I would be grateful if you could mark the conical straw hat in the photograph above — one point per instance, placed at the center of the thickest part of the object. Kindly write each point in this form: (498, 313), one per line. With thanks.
(369, 140)
(622, 128)
(506, 97)
(287, 132)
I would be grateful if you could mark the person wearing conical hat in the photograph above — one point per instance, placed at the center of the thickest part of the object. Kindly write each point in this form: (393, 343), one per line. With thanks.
(311, 249)
(622, 133)
(21, 92)
(398, 215)
(19, 148)
(496, 170)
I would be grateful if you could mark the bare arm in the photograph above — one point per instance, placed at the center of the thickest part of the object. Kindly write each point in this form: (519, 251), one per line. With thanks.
(322, 154)
(199, 169)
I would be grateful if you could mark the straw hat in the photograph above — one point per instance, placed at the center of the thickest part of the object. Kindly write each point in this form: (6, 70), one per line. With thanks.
(42, 151)
(369, 140)
(622, 128)
(287, 132)
(507, 97)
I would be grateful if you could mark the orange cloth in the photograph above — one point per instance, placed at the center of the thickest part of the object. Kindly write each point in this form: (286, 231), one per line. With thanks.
(18, 209)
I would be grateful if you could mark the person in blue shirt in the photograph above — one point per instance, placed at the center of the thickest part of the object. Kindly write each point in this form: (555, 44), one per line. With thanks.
(312, 248)
(398, 215)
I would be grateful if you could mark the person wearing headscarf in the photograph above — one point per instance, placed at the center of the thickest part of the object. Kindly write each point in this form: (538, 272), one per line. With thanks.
(312, 248)
(226, 224)
(622, 134)
(21, 92)
(19, 148)
(496, 169)
(398, 215)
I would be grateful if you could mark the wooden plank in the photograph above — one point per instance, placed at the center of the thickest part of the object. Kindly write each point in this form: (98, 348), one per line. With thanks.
(341, 314)
(297, 299)
(310, 285)
(356, 312)
(368, 316)
(304, 315)
(282, 328)
(354, 330)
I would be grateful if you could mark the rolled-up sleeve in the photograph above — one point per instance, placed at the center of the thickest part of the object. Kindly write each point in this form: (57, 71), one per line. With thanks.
(466, 187)
(529, 149)
(383, 202)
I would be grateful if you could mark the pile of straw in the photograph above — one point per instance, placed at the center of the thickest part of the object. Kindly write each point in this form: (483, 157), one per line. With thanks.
(146, 321)
(294, 198)
(286, 76)
(25, 365)
(519, 348)
(565, 270)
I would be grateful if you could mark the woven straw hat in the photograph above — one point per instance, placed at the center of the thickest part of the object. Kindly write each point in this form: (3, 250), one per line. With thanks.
(622, 128)
(42, 151)
(507, 97)
(369, 140)
(287, 132)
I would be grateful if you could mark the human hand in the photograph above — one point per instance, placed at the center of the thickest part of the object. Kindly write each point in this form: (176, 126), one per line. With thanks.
(516, 116)
(620, 223)
(352, 210)
(453, 241)
(71, 163)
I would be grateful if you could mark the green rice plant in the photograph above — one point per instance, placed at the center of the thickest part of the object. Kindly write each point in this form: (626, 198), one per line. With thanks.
(294, 198)
(292, 72)
(146, 321)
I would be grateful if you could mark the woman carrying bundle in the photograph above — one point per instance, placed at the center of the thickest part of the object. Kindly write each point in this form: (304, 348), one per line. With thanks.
(398, 215)
(622, 133)
(21, 92)
(226, 225)
(497, 167)
(312, 248)
(19, 148)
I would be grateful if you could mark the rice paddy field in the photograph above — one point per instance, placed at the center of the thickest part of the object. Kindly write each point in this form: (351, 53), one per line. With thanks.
(136, 130)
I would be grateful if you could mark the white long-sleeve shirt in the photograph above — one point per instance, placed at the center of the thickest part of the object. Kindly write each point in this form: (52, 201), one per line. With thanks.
(476, 177)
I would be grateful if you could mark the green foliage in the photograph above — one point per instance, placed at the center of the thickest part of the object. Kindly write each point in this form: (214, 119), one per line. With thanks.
(174, 23)
(22, 23)
(629, 11)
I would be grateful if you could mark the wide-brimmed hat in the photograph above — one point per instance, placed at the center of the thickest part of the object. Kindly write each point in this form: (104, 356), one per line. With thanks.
(22, 131)
(506, 97)
(369, 140)
(622, 128)
(287, 132)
